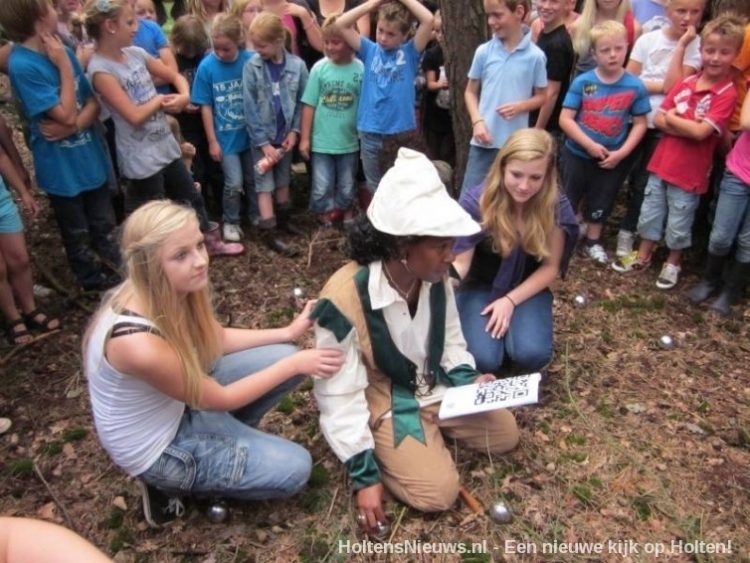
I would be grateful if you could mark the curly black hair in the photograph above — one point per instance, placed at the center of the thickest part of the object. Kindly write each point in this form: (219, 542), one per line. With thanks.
(366, 244)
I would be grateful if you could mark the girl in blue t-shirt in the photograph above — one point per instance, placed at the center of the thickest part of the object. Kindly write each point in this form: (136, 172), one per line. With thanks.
(217, 89)
(148, 154)
(273, 83)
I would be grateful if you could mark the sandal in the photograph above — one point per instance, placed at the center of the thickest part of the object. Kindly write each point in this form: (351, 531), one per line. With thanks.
(18, 337)
(38, 320)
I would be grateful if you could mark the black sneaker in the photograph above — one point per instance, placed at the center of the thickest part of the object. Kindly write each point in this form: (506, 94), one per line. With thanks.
(158, 508)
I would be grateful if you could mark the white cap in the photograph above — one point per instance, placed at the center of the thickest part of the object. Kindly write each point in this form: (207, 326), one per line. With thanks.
(412, 201)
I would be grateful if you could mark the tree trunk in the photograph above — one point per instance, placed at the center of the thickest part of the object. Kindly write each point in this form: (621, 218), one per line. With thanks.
(464, 29)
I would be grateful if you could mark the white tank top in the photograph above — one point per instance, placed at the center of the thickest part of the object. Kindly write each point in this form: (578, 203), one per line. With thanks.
(134, 421)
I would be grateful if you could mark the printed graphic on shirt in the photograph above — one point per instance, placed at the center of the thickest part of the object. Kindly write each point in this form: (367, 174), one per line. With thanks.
(388, 69)
(229, 108)
(605, 115)
(682, 105)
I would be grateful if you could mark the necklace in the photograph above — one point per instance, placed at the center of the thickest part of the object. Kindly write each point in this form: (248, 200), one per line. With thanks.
(395, 286)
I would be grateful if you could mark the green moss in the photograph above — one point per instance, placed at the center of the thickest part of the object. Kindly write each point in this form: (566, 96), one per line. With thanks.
(74, 434)
(51, 449)
(22, 466)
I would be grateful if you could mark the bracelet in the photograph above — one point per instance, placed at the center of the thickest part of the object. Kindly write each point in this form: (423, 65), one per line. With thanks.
(473, 123)
(511, 300)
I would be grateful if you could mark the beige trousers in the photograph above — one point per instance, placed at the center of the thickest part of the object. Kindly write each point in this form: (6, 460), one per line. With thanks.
(424, 476)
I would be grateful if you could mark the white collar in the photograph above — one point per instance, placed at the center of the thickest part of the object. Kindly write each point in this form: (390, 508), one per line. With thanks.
(382, 294)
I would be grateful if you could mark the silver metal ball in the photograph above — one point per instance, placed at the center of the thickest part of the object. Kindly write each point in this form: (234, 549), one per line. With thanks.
(298, 293)
(381, 531)
(580, 301)
(217, 513)
(501, 513)
(666, 342)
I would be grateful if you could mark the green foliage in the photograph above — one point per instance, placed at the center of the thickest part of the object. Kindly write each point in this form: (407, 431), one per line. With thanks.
(74, 434)
(22, 466)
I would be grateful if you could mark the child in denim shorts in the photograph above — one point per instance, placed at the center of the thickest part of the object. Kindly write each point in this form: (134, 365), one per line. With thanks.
(692, 117)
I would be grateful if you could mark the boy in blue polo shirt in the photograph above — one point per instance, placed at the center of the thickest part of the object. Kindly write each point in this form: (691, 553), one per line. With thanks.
(386, 106)
(69, 158)
(510, 71)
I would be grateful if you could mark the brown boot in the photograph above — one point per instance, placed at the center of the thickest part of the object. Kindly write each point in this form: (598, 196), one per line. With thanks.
(270, 237)
(217, 247)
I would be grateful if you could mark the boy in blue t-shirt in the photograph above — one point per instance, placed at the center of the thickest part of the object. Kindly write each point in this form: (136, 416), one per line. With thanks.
(386, 106)
(328, 129)
(597, 109)
(507, 80)
(57, 101)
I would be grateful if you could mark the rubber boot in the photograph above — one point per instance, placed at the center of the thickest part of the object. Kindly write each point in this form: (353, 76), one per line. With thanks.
(364, 197)
(732, 291)
(711, 281)
(284, 220)
(217, 247)
(270, 237)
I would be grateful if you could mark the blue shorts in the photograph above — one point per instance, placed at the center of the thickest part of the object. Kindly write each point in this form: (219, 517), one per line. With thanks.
(10, 219)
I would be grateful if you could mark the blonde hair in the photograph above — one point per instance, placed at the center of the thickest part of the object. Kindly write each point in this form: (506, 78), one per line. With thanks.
(328, 29)
(396, 12)
(18, 17)
(539, 212)
(729, 26)
(583, 25)
(239, 6)
(229, 26)
(196, 8)
(186, 323)
(607, 29)
(189, 37)
(97, 12)
(267, 28)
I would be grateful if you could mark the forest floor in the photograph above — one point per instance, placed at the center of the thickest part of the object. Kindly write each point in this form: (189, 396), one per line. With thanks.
(632, 449)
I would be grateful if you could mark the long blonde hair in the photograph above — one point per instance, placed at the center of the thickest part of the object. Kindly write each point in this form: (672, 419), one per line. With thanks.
(187, 323)
(539, 212)
(196, 8)
(583, 25)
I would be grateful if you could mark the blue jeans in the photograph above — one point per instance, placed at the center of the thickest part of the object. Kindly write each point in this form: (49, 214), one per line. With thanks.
(732, 219)
(222, 454)
(277, 177)
(477, 166)
(663, 202)
(332, 181)
(238, 179)
(369, 146)
(528, 342)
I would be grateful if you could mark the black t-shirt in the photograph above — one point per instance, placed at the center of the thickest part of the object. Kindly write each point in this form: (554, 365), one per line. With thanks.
(486, 263)
(558, 48)
(191, 124)
(435, 118)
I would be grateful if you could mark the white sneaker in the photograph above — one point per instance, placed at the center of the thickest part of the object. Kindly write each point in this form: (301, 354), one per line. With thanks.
(625, 240)
(668, 277)
(232, 232)
(41, 290)
(597, 253)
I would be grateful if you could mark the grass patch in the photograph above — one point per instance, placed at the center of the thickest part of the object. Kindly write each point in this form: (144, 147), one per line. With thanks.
(123, 538)
(584, 493)
(575, 440)
(637, 304)
(280, 317)
(23, 466)
(114, 520)
(604, 409)
(319, 476)
(74, 434)
(577, 457)
(51, 449)
(285, 405)
(642, 505)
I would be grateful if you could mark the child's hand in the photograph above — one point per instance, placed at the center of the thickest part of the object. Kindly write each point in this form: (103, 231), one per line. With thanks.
(597, 151)
(215, 151)
(30, 205)
(54, 49)
(500, 312)
(304, 148)
(324, 362)
(174, 103)
(296, 10)
(611, 160)
(289, 141)
(481, 133)
(509, 110)
(192, 108)
(54, 131)
(485, 378)
(271, 153)
(690, 34)
(303, 322)
(188, 150)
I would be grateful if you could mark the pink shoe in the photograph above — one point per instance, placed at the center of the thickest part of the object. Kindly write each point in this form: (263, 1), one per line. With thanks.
(217, 247)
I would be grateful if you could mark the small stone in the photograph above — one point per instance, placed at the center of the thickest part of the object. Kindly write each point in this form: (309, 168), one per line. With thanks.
(580, 301)
(298, 293)
(500, 513)
(666, 342)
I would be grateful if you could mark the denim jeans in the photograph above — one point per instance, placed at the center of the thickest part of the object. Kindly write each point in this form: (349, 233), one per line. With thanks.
(665, 202)
(222, 454)
(477, 166)
(732, 219)
(277, 177)
(333, 181)
(639, 178)
(528, 342)
(369, 146)
(239, 178)
(86, 223)
(173, 182)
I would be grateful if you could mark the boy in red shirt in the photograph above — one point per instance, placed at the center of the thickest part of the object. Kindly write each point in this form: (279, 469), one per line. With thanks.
(693, 118)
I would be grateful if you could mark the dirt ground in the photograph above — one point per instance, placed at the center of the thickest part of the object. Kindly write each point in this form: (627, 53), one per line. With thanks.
(632, 449)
